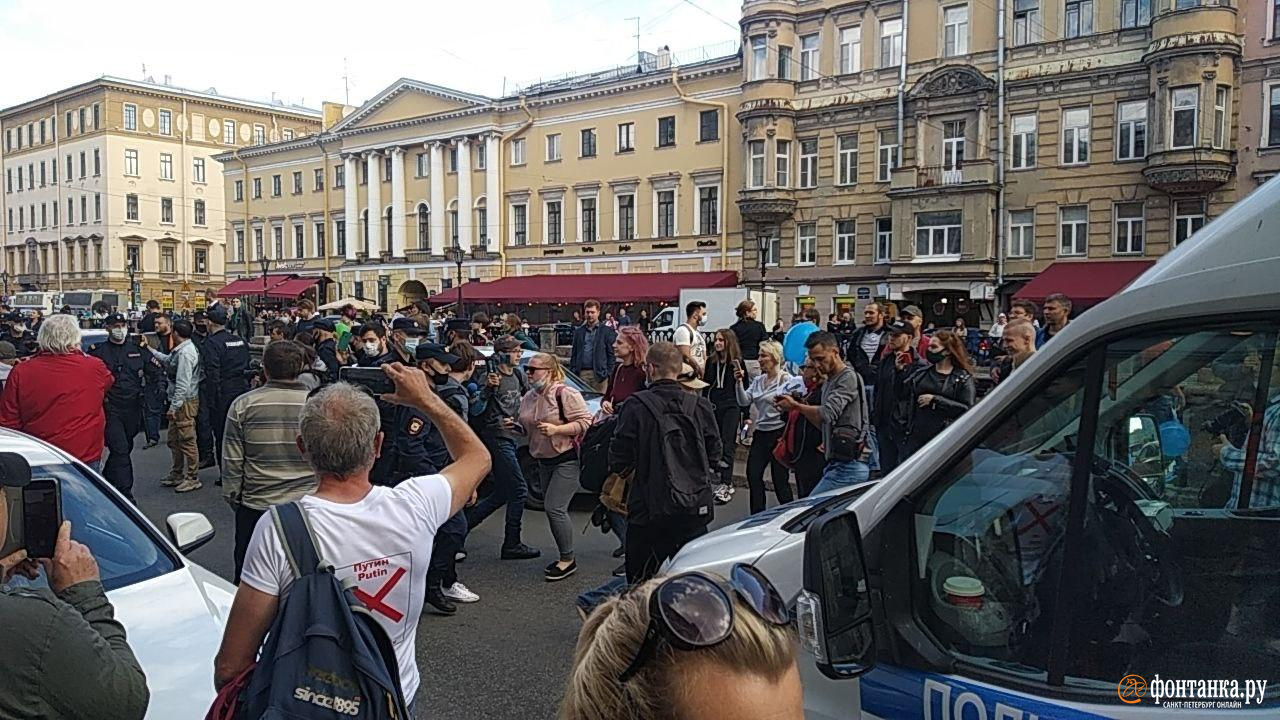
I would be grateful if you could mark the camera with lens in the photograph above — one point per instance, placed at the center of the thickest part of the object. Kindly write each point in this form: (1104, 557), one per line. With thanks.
(1232, 423)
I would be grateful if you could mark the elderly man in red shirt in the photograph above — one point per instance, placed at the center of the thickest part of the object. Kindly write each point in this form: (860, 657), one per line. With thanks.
(57, 394)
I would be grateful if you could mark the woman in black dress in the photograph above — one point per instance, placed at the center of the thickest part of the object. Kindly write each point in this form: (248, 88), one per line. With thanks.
(943, 390)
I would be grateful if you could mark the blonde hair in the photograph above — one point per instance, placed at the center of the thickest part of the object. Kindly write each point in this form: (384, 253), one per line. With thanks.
(552, 362)
(773, 349)
(612, 636)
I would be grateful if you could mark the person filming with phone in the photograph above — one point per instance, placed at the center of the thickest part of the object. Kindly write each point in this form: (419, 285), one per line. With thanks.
(64, 653)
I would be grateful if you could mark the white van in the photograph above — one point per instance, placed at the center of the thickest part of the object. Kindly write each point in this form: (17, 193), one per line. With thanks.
(1099, 537)
(722, 306)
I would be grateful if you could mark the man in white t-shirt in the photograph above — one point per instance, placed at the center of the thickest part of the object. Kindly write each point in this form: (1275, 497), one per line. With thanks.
(689, 339)
(380, 538)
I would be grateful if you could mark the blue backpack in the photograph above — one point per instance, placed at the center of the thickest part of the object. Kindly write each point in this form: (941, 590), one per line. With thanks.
(325, 655)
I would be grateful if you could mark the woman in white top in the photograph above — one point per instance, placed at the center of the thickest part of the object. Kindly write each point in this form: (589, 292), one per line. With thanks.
(763, 393)
(997, 328)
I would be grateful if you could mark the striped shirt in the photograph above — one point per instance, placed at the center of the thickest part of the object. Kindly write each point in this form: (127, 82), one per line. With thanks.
(261, 465)
(1266, 479)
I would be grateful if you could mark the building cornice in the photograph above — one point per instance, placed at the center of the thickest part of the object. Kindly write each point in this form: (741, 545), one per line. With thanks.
(108, 82)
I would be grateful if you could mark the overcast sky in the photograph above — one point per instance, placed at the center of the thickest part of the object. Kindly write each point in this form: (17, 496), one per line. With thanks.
(253, 49)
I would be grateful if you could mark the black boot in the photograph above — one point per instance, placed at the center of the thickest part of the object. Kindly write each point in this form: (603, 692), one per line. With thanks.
(441, 604)
(519, 551)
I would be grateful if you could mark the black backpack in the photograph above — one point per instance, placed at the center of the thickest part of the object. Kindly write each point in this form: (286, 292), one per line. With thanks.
(325, 655)
(593, 454)
(684, 459)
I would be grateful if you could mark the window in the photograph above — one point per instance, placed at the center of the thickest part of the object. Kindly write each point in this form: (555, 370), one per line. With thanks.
(809, 57)
(8, 180)
(387, 229)
(1129, 226)
(846, 241)
(317, 180)
(953, 144)
(44, 215)
(70, 170)
(555, 223)
(167, 263)
(891, 43)
(424, 227)
(773, 250)
(850, 50)
(66, 130)
(553, 147)
(887, 155)
(587, 216)
(666, 208)
(847, 159)
(97, 206)
(1272, 118)
(42, 174)
(783, 156)
(276, 189)
(43, 137)
(257, 188)
(317, 234)
(277, 235)
(1185, 111)
(1188, 217)
(239, 190)
(259, 135)
(938, 234)
(519, 225)
(423, 165)
(53, 167)
(1075, 136)
(1022, 233)
(299, 242)
(806, 244)
(386, 168)
(200, 261)
(708, 210)
(809, 163)
(517, 151)
(1023, 153)
(667, 131)
(130, 163)
(453, 161)
(626, 217)
(626, 137)
(20, 177)
(708, 126)
(755, 161)
(482, 155)
(21, 216)
(297, 182)
(166, 166)
(228, 132)
(1131, 141)
(784, 62)
(198, 216)
(1079, 18)
(166, 210)
(1073, 230)
(955, 31)
(1135, 13)
(759, 61)
(130, 117)
(130, 208)
(96, 116)
(133, 256)
(84, 209)
(339, 176)
(340, 235)
(1221, 101)
(166, 122)
(587, 143)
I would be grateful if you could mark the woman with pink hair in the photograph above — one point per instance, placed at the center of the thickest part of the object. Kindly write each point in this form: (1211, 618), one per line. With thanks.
(628, 376)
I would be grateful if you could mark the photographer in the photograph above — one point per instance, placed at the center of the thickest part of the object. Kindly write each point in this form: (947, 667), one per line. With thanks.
(64, 654)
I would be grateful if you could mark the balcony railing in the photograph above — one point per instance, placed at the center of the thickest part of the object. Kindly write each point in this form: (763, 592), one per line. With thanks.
(934, 176)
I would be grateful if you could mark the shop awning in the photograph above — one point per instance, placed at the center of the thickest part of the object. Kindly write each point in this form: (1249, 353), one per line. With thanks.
(1085, 282)
(293, 287)
(249, 285)
(635, 287)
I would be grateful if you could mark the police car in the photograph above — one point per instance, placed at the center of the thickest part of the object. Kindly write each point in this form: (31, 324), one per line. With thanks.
(1097, 538)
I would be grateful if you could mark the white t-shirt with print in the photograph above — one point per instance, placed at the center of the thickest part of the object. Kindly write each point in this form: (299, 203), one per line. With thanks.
(696, 342)
(382, 543)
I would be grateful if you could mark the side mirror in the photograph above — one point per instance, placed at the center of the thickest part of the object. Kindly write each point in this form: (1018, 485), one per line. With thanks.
(834, 609)
(189, 530)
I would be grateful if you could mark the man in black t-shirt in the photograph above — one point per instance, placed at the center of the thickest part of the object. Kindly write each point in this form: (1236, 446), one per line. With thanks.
(750, 332)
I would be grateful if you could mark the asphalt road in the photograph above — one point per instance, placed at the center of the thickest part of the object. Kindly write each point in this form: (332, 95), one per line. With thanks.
(506, 656)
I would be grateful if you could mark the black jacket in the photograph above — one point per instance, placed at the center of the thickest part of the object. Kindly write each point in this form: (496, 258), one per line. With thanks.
(891, 402)
(129, 363)
(866, 367)
(628, 451)
(327, 351)
(953, 395)
(147, 323)
(224, 358)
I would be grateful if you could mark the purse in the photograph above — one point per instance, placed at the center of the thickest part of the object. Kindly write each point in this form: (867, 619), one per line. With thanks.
(613, 494)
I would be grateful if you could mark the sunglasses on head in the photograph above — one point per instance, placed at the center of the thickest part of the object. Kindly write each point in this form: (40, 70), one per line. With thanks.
(693, 611)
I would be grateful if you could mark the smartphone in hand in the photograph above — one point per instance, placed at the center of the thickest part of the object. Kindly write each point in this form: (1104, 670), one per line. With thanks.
(41, 516)
(372, 379)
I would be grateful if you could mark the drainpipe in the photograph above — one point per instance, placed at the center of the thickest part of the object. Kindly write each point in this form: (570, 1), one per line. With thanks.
(324, 168)
(248, 231)
(499, 203)
(1000, 149)
(724, 160)
(185, 241)
(57, 156)
(902, 91)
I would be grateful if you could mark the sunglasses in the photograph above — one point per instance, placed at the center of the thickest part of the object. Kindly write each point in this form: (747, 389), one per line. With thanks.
(531, 368)
(693, 611)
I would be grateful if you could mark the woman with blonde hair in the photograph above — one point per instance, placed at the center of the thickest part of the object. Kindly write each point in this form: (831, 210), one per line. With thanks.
(554, 416)
(763, 394)
(687, 646)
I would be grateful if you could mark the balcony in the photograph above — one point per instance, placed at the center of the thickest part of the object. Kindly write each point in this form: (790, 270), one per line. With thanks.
(766, 206)
(1189, 171)
(969, 174)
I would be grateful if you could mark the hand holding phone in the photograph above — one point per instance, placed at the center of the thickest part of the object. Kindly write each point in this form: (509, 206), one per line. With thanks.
(41, 517)
(72, 563)
(373, 379)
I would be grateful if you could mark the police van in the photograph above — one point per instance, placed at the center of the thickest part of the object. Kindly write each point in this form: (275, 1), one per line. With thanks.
(1099, 537)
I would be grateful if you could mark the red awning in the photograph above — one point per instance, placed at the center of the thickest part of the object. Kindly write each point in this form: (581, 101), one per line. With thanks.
(635, 287)
(1085, 282)
(293, 287)
(247, 286)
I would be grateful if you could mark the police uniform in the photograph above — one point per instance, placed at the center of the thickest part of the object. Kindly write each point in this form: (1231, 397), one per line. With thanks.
(25, 343)
(225, 359)
(327, 351)
(204, 426)
(130, 363)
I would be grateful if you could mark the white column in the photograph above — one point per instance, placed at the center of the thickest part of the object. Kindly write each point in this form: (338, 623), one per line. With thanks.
(374, 168)
(494, 205)
(437, 198)
(466, 225)
(350, 209)
(397, 202)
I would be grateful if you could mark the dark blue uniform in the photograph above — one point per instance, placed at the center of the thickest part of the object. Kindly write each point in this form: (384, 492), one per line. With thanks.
(129, 363)
(225, 360)
(327, 351)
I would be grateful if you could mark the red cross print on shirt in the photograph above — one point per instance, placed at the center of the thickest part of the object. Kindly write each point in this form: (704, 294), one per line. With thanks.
(1037, 518)
(375, 602)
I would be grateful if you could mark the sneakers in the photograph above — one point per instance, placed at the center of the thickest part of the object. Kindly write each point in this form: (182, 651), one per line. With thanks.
(723, 494)
(439, 602)
(620, 551)
(170, 482)
(188, 485)
(150, 444)
(458, 592)
(554, 572)
(520, 551)
(620, 571)
(460, 556)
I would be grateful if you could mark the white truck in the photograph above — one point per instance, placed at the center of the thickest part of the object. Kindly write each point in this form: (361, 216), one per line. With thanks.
(722, 304)
(48, 302)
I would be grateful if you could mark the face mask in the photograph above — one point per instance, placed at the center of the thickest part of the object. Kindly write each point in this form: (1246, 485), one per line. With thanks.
(537, 384)
(118, 333)
(371, 348)
(440, 379)
(934, 357)
(411, 344)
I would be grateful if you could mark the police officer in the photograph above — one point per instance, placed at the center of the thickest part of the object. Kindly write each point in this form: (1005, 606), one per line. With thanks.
(155, 389)
(23, 340)
(327, 348)
(225, 359)
(204, 426)
(129, 362)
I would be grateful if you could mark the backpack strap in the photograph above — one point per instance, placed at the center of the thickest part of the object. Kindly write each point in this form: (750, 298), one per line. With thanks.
(564, 419)
(296, 538)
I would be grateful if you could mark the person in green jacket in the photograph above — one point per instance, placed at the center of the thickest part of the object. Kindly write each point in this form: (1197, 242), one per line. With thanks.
(64, 654)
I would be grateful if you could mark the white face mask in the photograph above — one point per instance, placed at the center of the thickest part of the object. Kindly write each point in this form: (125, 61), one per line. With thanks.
(411, 344)
(371, 348)
(118, 333)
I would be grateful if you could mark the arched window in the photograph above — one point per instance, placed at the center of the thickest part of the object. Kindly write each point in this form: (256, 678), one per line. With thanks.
(424, 227)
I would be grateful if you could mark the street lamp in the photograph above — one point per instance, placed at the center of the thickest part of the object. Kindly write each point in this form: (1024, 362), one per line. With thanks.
(763, 244)
(265, 263)
(457, 256)
(4, 276)
(132, 286)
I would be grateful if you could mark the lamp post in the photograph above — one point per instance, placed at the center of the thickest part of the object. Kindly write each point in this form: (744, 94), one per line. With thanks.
(132, 286)
(457, 255)
(763, 244)
(265, 263)
(4, 276)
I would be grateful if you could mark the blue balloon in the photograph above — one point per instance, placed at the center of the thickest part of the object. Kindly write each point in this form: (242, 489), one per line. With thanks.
(1175, 439)
(793, 350)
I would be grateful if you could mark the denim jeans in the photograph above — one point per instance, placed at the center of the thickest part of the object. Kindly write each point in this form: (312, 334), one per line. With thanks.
(508, 489)
(842, 474)
(589, 600)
